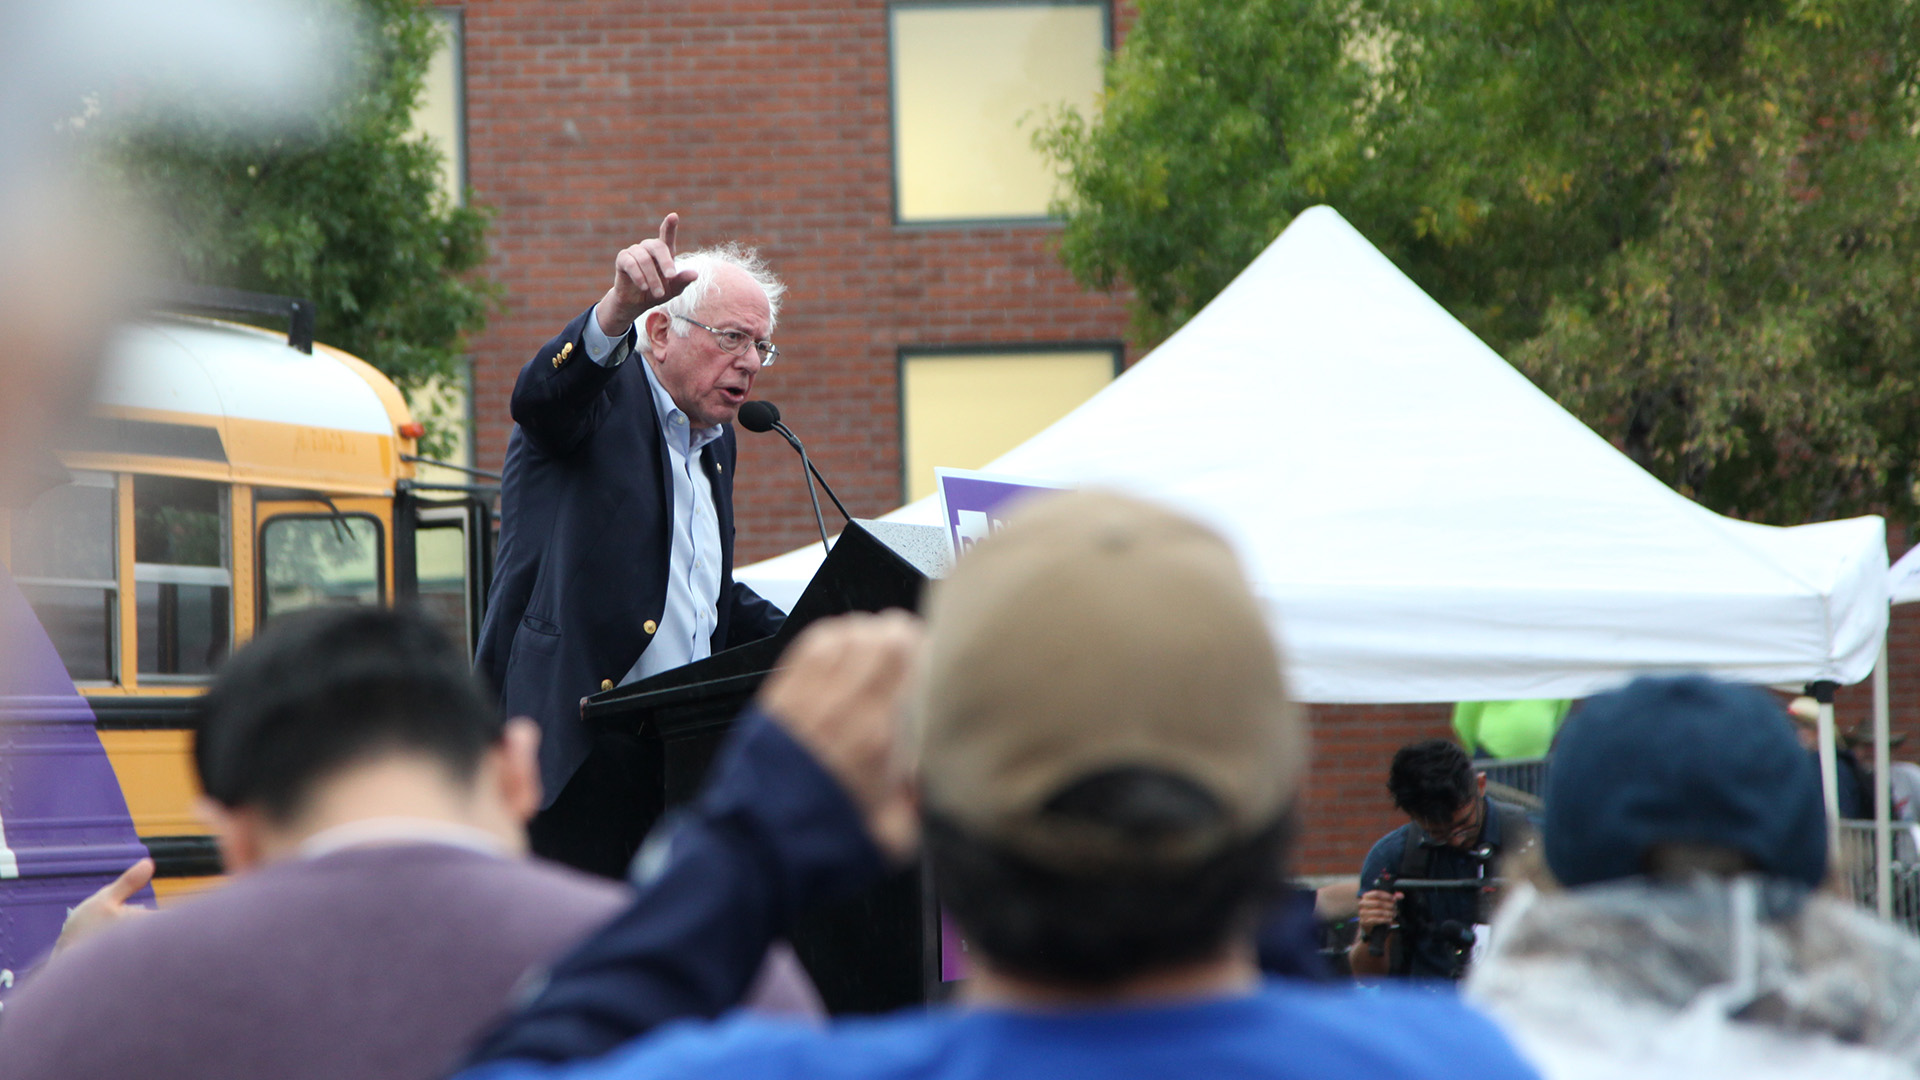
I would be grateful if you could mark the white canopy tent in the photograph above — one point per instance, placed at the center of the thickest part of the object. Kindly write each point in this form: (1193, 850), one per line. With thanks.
(1425, 525)
(1421, 521)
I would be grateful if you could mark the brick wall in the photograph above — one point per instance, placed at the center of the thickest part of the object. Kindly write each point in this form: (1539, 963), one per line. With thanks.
(1346, 806)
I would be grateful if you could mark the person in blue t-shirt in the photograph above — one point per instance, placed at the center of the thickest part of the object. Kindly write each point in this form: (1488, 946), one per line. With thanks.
(1105, 770)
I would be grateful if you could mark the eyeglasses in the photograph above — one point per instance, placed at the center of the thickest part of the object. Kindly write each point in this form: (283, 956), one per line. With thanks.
(736, 341)
(1457, 830)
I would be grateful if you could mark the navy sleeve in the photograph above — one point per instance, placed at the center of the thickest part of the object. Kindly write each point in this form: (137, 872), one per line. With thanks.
(1288, 939)
(557, 398)
(771, 834)
(752, 617)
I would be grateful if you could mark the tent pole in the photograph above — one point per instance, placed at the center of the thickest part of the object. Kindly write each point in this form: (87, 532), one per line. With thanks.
(1829, 765)
(1882, 779)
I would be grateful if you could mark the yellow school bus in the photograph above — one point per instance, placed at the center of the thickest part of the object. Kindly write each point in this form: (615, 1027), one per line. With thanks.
(223, 476)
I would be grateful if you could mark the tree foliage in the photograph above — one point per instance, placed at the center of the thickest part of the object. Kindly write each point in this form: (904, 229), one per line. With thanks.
(350, 214)
(1694, 222)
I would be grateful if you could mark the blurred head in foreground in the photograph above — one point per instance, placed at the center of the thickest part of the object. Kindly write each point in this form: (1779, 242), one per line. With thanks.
(75, 251)
(345, 713)
(1671, 776)
(1108, 752)
(74, 257)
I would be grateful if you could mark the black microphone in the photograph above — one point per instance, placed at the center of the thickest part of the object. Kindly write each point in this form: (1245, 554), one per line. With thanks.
(760, 416)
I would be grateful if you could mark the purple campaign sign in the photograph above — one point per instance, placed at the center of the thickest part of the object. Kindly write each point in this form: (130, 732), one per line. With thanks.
(953, 950)
(64, 826)
(974, 503)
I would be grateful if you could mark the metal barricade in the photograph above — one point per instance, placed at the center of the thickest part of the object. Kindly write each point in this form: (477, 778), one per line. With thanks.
(1855, 863)
(1521, 774)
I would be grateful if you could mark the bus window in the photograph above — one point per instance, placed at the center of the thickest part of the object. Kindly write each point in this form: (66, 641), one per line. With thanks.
(64, 561)
(183, 587)
(307, 561)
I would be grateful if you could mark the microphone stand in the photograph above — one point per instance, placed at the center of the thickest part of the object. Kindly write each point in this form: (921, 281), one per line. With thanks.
(807, 473)
(781, 427)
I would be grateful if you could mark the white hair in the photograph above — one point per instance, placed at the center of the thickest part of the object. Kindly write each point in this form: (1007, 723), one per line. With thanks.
(705, 260)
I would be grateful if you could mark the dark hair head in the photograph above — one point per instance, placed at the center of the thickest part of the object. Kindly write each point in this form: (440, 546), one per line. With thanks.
(1104, 924)
(321, 689)
(1431, 780)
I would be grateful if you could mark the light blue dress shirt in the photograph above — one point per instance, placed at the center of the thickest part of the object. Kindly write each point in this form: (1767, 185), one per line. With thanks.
(686, 627)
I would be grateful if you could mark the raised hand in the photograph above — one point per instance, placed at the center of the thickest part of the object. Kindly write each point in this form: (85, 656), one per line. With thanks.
(644, 276)
(108, 905)
(838, 692)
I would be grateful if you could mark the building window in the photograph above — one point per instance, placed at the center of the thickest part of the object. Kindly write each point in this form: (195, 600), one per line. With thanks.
(182, 584)
(960, 410)
(971, 84)
(440, 116)
(65, 560)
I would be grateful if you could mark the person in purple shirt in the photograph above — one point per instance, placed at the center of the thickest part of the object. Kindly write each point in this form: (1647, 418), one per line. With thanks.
(1095, 746)
(371, 806)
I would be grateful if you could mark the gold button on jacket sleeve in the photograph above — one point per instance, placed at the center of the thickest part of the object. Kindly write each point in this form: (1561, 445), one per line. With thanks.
(650, 626)
(606, 684)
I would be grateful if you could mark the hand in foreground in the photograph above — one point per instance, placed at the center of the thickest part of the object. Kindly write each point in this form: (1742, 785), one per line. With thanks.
(644, 277)
(1337, 901)
(107, 906)
(1378, 908)
(838, 692)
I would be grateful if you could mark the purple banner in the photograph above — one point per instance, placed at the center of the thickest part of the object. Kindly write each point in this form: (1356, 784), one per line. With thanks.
(975, 504)
(953, 949)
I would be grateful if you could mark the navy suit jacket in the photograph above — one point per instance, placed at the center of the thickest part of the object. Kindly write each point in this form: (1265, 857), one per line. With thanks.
(580, 577)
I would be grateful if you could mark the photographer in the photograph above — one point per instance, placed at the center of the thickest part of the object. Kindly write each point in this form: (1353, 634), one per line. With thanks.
(1455, 833)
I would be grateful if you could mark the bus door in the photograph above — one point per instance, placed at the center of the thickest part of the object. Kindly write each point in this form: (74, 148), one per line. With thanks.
(443, 559)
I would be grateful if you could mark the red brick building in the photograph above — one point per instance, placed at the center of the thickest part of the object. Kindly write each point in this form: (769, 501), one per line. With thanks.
(772, 122)
(765, 122)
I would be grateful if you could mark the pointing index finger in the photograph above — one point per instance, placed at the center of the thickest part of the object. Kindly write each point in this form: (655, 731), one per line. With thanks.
(669, 230)
(131, 880)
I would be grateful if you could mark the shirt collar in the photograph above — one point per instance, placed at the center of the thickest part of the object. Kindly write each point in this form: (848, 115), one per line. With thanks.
(383, 831)
(1489, 823)
(673, 422)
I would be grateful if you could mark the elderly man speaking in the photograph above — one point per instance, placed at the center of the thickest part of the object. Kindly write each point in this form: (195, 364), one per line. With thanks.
(616, 528)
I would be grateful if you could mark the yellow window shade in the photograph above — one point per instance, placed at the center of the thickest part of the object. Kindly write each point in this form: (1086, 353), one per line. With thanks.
(971, 84)
(962, 410)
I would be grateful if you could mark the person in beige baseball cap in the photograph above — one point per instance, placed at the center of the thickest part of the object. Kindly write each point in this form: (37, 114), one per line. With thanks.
(1096, 742)
(1101, 698)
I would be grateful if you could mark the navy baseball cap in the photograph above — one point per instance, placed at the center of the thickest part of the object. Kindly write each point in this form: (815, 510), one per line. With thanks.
(1686, 760)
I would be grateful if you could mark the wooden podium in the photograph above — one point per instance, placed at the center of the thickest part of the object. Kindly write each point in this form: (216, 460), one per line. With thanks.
(879, 951)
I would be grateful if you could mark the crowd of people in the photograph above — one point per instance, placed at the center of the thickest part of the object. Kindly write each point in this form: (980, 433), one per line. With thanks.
(1108, 821)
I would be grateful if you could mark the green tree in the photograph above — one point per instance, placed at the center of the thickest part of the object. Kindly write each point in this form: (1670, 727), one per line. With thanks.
(349, 215)
(1694, 223)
